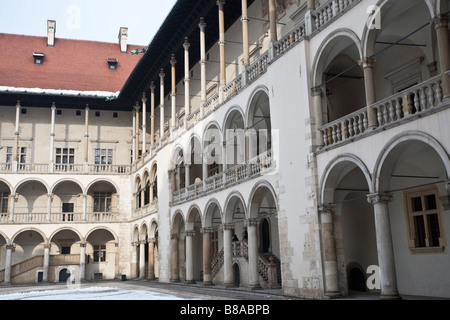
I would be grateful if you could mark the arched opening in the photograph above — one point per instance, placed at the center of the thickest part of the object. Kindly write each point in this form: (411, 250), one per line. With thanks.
(340, 77)
(259, 133)
(414, 171)
(195, 161)
(153, 187)
(356, 280)
(213, 221)
(265, 235)
(103, 255)
(32, 203)
(194, 226)
(346, 189)
(138, 193)
(178, 163)
(64, 275)
(212, 151)
(67, 202)
(405, 48)
(234, 135)
(102, 202)
(178, 249)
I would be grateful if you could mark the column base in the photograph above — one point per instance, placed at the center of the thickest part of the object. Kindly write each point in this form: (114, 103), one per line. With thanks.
(229, 285)
(190, 282)
(332, 295)
(208, 283)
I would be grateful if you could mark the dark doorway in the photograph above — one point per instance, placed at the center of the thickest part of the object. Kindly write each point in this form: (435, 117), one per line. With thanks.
(237, 275)
(356, 280)
(40, 276)
(64, 275)
(265, 230)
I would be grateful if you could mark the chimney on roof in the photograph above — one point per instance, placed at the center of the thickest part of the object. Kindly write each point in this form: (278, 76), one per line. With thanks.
(123, 37)
(51, 31)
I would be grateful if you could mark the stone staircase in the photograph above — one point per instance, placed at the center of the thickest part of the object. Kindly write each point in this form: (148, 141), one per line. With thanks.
(269, 266)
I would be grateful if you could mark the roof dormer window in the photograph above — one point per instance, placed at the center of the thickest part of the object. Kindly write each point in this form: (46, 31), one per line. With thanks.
(112, 63)
(38, 57)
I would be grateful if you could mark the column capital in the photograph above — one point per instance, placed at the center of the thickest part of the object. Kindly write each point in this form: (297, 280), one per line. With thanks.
(367, 62)
(152, 240)
(142, 241)
(83, 245)
(11, 246)
(190, 233)
(186, 44)
(326, 208)
(206, 230)
(47, 246)
(174, 236)
(173, 61)
(227, 226)
(220, 2)
(379, 198)
(251, 222)
(144, 97)
(162, 74)
(134, 243)
(316, 91)
(440, 22)
(137, 107)
(202, 24)
(152, 86)
(53, 106)
(87, 107)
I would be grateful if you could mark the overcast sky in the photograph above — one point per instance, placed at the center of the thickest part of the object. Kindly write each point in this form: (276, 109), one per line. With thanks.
(98, 20)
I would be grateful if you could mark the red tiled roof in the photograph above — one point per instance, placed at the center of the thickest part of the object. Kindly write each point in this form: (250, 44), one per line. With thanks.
(69, 65)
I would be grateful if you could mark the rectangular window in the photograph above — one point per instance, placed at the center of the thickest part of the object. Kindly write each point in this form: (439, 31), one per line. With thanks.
(424, 216)
(21, 154)
(67, 209)
(100, 253)
(104, 156)
(102, 202)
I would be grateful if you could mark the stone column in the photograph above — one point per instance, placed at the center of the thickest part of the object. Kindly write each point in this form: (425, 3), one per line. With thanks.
(82, 261)
(384, 245)
(49, 207)
(137, 108)
(190, 257)
(207, 256)
(142, 259)
(441, 25)
(187, 174)
(84, 207)
(161, 104)
(175, 274)
(253, 275)
(151, 259)
(134, 260)
(187, 80)
(367, 64)
(8, 263)
(152, 114)
(223, 77)
(228, 279)
(311, 4)
(46, 262)
(318, 113)
(273, 21)
(173, 95)
(202, 27)
(12, 202)
(52, 137)
(86, 134)
(133, 143)
(16, 136)
(245, 33)
(144, 125)
(330, 265)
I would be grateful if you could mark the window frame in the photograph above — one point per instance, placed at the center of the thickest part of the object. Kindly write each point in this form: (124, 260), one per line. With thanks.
(411, 214)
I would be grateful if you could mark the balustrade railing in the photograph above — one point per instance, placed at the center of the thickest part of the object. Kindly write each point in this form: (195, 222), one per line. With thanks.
(416, 101)
(254, 167)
